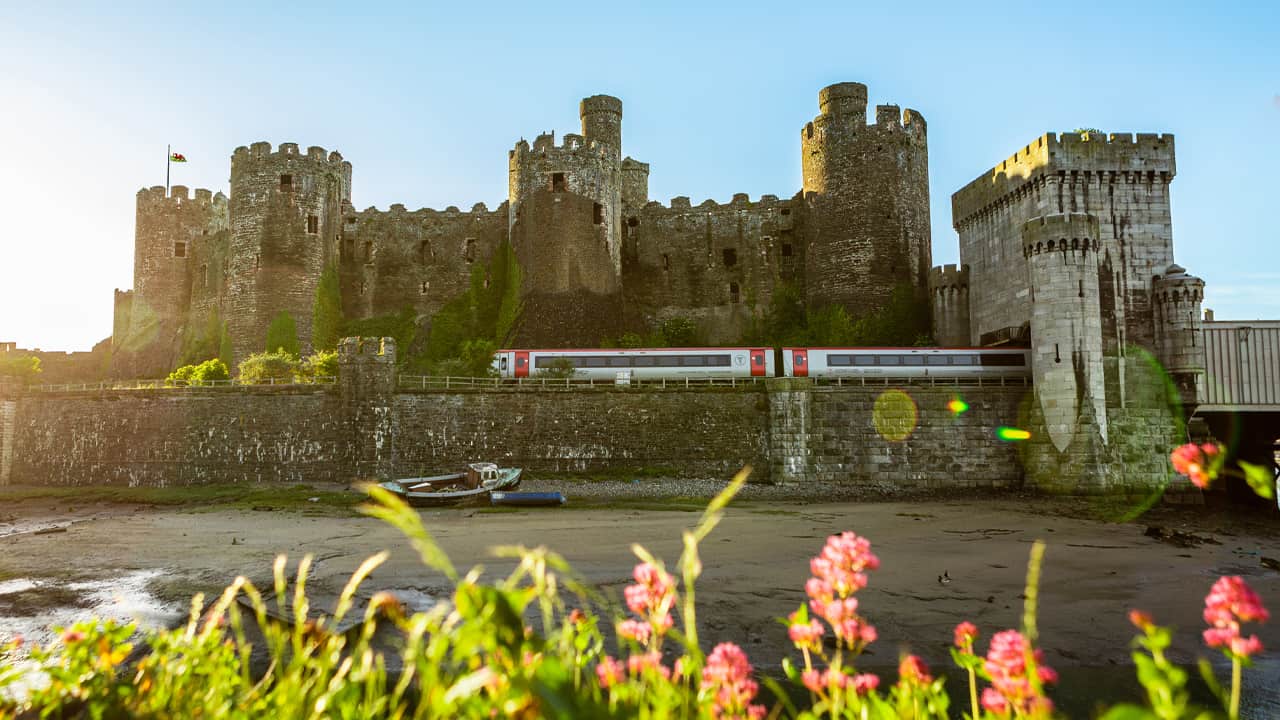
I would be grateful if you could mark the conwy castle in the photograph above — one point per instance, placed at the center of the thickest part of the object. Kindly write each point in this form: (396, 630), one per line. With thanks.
(1066, 247)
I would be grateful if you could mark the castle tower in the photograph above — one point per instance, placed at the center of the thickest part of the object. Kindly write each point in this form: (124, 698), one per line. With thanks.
(167, 231)
(286, 214)
(1122, 181)
(949, 290)
(866, 189)
(1061, 252)
(565, 216)
(1176, 302)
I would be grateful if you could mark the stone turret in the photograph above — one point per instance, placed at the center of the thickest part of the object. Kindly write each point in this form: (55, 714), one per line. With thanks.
(1176, 298)
(866, 189)
(286, 216)
(949, 290)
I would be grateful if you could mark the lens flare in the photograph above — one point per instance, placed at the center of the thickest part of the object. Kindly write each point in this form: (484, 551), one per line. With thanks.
(1009, 434)
(958, 407)
(895, 415)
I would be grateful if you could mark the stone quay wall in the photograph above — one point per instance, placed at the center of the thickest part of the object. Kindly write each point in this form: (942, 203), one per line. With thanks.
(790, 430)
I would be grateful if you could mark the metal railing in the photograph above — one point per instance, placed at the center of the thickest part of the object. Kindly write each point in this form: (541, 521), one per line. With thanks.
(181, 384)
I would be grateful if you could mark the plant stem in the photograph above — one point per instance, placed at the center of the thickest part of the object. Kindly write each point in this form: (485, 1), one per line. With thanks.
(973, 692)
(1234, 710)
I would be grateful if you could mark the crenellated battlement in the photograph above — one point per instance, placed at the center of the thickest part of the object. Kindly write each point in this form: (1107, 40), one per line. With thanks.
(262, 152)
(1118, 158)
(944, 277)
(479, 209)
(740, 201)
(1075, 232)
(1177, 287)
(571, 143)
(631, 165)
(178, 195)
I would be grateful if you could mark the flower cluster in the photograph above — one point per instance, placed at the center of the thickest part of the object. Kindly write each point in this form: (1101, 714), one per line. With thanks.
(839, 571)
(727, 675)
(652, 598)
(965, 633)
(913, 671)
(1230, 602)
(1012, 687)
(1200, 463)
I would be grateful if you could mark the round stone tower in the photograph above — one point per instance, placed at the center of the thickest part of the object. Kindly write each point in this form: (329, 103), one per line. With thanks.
(949, 290)
(286, 214)
(1176, 300)
(565, 218)
(168, 229)
(1066, 326)
(866, 190)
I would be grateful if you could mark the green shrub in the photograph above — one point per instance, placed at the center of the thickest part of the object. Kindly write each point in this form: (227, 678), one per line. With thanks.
(321, 364)
(282, 335)
(266, 367)
(203, 374)
(182, 375)
(21, 367)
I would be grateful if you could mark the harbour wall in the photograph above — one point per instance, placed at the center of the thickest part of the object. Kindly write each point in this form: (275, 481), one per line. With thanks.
(789, 429)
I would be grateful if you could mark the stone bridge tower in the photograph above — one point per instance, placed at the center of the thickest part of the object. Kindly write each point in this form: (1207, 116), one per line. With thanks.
(1176, 298)
(866, 190)
(566, 224)
(286, 214)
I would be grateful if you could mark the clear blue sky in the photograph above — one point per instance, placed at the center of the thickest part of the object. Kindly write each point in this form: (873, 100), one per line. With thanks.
(425, 100)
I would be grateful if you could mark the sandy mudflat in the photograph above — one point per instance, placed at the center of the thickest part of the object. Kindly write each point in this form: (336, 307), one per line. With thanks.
(756, 563)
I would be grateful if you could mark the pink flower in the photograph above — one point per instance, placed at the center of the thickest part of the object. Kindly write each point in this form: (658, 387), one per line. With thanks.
(965, 633)
(609, 671)
(728, 674)
(814, 680)
(993, 701)
(839, 571)
(635, 630)
(72, 636)
(1006, 664)
(637, 664)
(1141, 620)
(865, 683)
(1230, 602)
(1198, 462)
(805, 635)
(913, 671)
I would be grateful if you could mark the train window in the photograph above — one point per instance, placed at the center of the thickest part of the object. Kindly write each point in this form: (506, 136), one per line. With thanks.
(693, 360)
(718, 360)
(667, 361)
(621, 361)
(1001, 360)
(864, 359)
(839, 360)
(593, 362)
(888, 360)
(912, 360)
(936, 360)
(964, 359)
(643, 361)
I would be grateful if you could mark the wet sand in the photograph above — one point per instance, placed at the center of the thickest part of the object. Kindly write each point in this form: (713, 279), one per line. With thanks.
(756, 564)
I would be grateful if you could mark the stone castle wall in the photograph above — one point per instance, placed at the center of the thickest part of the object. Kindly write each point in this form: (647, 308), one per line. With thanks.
(1122, 181)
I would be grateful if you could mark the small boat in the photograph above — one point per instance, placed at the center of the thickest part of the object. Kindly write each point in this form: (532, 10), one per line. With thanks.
(527, 499)
(478, 481)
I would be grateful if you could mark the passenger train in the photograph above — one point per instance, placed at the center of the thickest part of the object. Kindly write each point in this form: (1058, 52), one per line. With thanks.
(741, 362)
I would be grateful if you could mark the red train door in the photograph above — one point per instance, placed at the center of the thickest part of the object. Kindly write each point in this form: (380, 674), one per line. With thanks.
(757, 362)
(522, 363)
(800, 363)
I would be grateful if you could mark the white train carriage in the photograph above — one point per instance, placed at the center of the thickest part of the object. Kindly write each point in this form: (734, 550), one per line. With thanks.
(641, 363)
(906, 362)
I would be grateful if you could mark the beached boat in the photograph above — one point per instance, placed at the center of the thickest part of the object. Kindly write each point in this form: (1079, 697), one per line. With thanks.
(478, 481)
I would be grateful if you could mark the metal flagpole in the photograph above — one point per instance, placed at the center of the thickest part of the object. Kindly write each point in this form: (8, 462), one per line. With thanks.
(168, 155)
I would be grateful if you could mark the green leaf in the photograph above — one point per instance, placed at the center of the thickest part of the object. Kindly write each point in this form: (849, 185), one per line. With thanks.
(1260, 479)
(1129, 712)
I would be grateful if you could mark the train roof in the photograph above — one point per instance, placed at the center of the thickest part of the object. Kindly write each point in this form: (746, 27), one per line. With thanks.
(912, 348)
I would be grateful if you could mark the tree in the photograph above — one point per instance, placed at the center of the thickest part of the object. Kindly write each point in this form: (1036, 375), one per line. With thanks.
(326, 320)
(282, 334)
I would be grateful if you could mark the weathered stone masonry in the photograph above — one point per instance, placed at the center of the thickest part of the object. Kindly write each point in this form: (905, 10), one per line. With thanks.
(365, 427)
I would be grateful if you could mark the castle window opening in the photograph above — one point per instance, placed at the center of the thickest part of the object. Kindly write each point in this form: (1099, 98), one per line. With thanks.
(633, 222)
(424, 250)
(204, 270)
(666, 261)
(179, 249)
(786, 211)
(730, 257)
(313, 225)
(286, 182)
(597, 213)
(363, 286)
(423, 287)
(786, 249)
(368, 251)
(470, 252)
(733, 292)
(557, 182)
(257, 262)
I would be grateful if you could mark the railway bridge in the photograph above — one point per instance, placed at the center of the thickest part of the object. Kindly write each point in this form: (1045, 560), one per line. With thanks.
(1240, 398)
